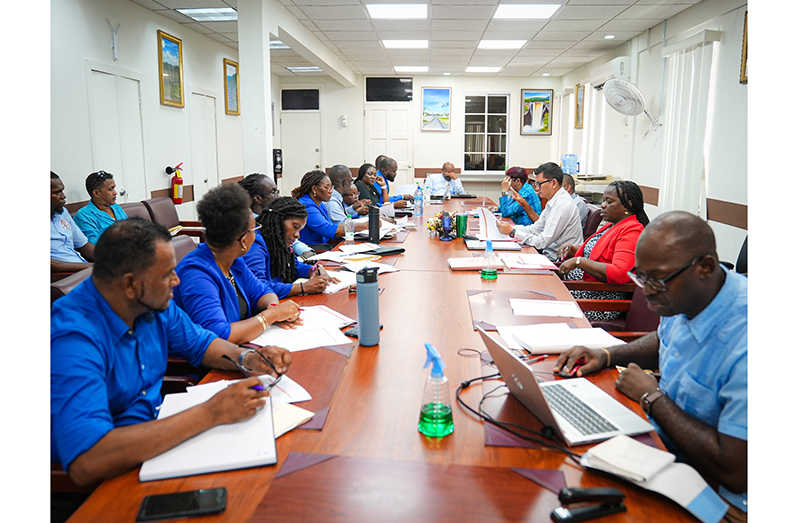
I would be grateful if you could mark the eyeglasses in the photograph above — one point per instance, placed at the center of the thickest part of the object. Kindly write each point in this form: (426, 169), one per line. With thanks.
(659, 284)
(255, 229)
(246, 374)
(273, 192)
(536, 184)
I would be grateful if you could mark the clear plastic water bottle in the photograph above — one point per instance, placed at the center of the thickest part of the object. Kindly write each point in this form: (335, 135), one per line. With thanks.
(435, 419)
(418, 202)
(427, 195)
(349, 230)
(447, 193)
(489, 271)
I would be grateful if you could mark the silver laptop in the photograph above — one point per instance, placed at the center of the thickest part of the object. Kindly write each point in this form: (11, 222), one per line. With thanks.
(579, 411)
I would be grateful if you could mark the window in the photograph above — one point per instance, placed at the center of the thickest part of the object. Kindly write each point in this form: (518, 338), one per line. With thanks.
(486, 118)
(300, 99)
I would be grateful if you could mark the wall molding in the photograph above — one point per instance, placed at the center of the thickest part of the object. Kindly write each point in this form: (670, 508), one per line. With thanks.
(730, 213)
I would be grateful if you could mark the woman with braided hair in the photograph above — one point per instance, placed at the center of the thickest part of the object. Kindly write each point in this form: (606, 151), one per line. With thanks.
(610, 253)
(314, 189)
(271, 258)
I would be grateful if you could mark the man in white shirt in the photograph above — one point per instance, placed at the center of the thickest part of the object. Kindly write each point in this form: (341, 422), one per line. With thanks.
(558, 223)
(568, 185)
(437, 181)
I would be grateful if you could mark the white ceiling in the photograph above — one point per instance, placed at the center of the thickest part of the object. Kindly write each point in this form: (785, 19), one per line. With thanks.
(569, 39)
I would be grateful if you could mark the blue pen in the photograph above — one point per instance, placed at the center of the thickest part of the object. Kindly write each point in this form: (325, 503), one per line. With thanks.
(255, 387)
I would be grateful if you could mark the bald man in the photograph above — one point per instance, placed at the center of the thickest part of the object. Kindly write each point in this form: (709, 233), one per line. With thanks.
(437, 181)
(700, 405)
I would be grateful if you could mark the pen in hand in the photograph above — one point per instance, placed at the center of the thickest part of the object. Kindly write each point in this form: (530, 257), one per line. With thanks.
(256, 387)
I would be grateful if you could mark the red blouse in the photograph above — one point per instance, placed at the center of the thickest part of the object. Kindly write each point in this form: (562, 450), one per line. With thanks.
(616, 248)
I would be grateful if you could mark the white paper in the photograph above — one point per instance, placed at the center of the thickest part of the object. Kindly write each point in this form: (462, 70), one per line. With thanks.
(358, 247)
(387, 210)
(628, 458)
(545, 308)
(286, 391)
(357, 266)
(347, 279)
(487, 226)
(526, 261)
(321, 327)
(554, 338)
(335, 256)
(477, 245)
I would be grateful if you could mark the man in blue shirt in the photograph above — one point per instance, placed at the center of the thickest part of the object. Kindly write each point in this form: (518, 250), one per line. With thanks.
(110, 339)
(102, 209)
(341, 178)
(70, 250)
(700, 405)
(386, 169)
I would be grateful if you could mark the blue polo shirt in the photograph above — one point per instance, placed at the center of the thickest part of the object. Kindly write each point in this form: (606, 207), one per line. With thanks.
(704, 365)
(259, 262)
(65, 237)
(394, 198)
(92, 221)
(513, 210)
(319, 228)
(104, 375)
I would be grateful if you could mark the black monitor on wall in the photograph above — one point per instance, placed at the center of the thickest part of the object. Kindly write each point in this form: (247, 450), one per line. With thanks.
(389, 89)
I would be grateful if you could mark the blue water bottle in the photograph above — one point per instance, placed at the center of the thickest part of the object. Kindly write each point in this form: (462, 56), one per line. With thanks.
(368, 307)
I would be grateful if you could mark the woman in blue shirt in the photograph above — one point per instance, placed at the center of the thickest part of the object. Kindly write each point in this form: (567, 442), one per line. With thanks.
(272, 260)
(314, 189)
(217, 289)
(518, 201)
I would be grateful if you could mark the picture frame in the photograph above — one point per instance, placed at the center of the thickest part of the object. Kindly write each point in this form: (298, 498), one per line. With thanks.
(232, 90)
(536, 112)
(744, 61)
(579, 112)
(436, 109)
(170, 69)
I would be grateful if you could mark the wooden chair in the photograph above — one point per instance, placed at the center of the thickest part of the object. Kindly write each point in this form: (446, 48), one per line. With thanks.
(638, 319)
(61, 288)
(163, 211)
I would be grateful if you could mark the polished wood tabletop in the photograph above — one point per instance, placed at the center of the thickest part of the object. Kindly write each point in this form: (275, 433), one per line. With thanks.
(375, 410)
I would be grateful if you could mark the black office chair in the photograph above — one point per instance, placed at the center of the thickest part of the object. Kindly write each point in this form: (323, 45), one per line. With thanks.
(742, 259)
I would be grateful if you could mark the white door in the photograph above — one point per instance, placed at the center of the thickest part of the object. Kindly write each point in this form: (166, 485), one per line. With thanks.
(202, 171)
(115, 127)
(389, 132)
(300, 136)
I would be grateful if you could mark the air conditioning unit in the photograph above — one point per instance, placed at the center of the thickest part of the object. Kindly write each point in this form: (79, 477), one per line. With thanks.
(618, 68)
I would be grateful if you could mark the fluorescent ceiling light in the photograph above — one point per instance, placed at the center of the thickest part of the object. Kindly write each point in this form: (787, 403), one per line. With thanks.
(311, 69)
(501, 44)
(411, 68)
(473, 69)
(609, 37)
(526, 11)
(406, 44)
(397, 11)
(546, 74)
(211, 14)
(446, 74)
(277, 44)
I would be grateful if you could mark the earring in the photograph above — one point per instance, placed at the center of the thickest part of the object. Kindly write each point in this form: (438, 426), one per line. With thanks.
(244, 247)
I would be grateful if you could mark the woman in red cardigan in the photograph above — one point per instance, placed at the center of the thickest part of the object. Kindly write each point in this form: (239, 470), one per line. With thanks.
(610, 253)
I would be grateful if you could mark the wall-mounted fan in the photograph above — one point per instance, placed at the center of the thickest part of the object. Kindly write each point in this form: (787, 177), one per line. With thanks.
(627, 99)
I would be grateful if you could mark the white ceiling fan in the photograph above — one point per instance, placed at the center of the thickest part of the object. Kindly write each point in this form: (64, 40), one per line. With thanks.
(627, 99)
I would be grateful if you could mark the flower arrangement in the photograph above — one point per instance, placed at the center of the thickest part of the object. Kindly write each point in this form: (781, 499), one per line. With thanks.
(435, 224)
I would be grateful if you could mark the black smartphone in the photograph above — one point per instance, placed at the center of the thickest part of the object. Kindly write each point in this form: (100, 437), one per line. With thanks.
(183, 504)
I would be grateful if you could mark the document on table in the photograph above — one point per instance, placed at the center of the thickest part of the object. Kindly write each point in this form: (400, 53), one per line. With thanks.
(385, 229)
(347, 279)
(387, 210)
(487, 226)
(473, 263)
(358, 247)
(477, 245)
(526, 261)
(545, 308)
(321, 327)
(286, 390)
(248, 443)
(553, 338)
(357, 266)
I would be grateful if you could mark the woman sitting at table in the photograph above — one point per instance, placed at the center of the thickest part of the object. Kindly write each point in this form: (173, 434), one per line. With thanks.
(519, 201)
(610, 253)
(366, 176)
(314, 189)
(217, 289)
(272, 260)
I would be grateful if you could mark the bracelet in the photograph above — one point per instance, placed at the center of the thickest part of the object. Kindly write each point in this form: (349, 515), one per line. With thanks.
(302, 288)
(608, 356)
(262, 321)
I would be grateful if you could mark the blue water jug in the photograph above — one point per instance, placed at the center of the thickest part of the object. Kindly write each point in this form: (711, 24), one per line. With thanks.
(570, 163)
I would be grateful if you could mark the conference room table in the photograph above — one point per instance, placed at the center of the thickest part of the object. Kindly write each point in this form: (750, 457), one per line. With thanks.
(372, 422)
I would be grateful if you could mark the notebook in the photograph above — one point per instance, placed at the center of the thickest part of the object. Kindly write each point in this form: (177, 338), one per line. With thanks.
(590, 415)
(477, 245)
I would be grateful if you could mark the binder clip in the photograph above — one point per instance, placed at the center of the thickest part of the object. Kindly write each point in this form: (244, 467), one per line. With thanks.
(592, 503)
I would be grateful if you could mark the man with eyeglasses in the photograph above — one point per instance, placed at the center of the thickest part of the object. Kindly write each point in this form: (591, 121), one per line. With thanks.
(261, 189)
(559, 222)
(700, 405)
(341, 179)
(102, 209)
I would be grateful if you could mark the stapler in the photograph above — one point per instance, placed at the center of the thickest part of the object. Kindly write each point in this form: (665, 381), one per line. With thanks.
(593, 503)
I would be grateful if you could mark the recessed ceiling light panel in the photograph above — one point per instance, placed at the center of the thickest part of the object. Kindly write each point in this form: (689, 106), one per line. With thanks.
(501, 44)
(397, 11)
(411, 68)
(526, 11)
(609, 37)
(277, 44)
(474, 69)
(211, 14)
(311, 69)
(406, 44)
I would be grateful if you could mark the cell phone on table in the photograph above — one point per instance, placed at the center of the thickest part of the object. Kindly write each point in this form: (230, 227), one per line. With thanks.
(183, 504)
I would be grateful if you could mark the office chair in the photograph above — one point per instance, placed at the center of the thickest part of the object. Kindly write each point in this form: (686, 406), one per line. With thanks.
(638, 320)
(163, 211)
(136, 209)
(592, 222)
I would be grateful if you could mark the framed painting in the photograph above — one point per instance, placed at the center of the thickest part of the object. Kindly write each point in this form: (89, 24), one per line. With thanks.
(170, 67)
(744, 62)
(579, 113)
(436, 108)
(231, 90)
(536, 108)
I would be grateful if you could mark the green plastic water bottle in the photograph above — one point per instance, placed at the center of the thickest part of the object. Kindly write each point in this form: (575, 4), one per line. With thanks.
(435, 419)
(489, 271)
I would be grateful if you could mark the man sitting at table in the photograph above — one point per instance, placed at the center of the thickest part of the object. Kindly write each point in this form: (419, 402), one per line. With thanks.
(437, 181)
(102, 209)
(386, 169)
(341, 178)
(70, 250)
(558, 223)
(700, 405)
(110, 339)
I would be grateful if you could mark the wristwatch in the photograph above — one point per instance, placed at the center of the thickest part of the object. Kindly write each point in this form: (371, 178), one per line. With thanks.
(504, 193)
(648, 398)
(241, 359)
(578, 260)
(512, 233)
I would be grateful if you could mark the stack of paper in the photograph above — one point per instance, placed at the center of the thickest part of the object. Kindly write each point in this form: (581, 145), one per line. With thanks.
(553, 338)
(382, 268)
(477, 245)
(526, 261)
(346, 279)
(473, 263)
(629, 458)
(321, 327)
(545, 308)
(487, 226)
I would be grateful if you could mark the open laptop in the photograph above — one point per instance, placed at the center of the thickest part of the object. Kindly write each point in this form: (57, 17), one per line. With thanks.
(579, 411)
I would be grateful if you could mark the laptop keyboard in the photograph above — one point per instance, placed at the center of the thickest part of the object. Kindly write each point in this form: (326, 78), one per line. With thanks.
(567, 405)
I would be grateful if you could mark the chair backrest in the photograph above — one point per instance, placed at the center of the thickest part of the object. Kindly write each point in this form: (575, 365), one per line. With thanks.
(183, 245)
(62, 287)
(592, 222)
(640, 318)
(162, 210)
(742, 258)
(136, 209)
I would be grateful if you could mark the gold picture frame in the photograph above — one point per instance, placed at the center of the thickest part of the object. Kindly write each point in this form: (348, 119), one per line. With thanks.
(170, 69)
(232, 98)
(744, 61)
(579, 111)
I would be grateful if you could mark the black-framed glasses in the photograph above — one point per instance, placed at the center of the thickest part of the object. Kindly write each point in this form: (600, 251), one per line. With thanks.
(246, 373)
(273, 192)
(536, 184)
(255, 229)
(659, 284)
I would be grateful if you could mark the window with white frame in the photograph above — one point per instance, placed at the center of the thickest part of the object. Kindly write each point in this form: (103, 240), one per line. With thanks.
(485, 140)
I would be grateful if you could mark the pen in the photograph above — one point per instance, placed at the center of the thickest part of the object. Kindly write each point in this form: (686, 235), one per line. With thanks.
(256, 387)
(539, 358)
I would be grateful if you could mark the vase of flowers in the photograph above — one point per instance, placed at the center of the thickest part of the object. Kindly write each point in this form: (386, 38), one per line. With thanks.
(435, 224)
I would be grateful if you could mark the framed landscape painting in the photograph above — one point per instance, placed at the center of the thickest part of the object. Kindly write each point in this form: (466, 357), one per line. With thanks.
(170, 67)
(536, 111)
(435, 108)
(231, 90)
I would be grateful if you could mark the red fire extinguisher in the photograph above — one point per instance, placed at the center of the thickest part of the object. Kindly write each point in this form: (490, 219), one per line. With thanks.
(176, 194)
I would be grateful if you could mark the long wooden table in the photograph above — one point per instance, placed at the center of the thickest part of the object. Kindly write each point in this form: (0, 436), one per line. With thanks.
(374, 413)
